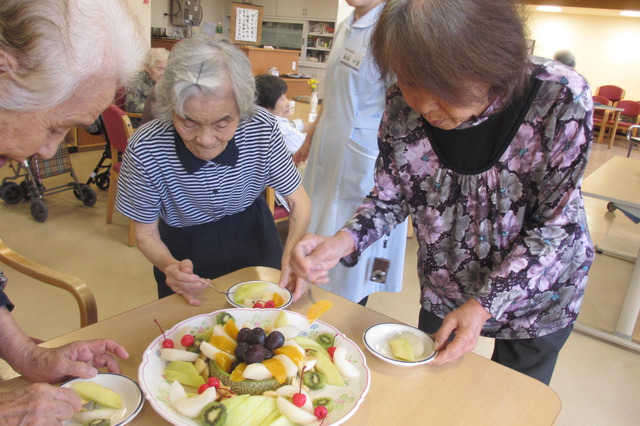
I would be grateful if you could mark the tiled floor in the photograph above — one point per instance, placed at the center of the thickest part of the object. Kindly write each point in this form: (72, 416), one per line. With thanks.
(598, 382)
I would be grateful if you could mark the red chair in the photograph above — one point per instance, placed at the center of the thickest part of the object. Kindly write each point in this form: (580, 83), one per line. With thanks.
(628, 117)
(118, 128)
(280, 214)
(598, 115)
(613, 93)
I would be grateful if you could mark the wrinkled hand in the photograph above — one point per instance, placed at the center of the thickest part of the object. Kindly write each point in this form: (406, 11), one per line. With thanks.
(466, 322)
(313, 256)
(38, 404)
(76, 359)
(182, 280)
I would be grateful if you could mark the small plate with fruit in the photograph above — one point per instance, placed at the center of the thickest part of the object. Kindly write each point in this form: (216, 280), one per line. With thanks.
(259, 294)
(107, 396)
(399, 344)
(254, 366)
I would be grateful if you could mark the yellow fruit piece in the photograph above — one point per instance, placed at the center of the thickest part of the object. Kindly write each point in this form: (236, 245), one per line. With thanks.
(277, 300)
(318, 309)
(236, 374)
(224, 361)
(231, 329)
(91, 391)
(292, 352)
(223, 343)
(276, 368)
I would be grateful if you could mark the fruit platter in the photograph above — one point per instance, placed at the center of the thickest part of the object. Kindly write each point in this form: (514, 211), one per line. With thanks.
(243, 366)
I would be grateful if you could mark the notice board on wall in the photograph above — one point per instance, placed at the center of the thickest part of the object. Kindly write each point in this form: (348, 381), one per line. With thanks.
(246, 24)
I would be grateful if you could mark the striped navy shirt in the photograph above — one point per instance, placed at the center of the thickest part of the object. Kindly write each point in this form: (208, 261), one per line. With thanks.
(160, 177)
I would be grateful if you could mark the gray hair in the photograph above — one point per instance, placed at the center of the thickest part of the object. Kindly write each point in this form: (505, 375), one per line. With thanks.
(206, 64)
(59, 44)
(156, 54)
(565, 57)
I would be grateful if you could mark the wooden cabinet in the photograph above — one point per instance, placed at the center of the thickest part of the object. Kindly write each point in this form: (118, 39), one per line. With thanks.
(86, 141)
(269, 7)
(167, 43)
(308, 9)
(286, 61)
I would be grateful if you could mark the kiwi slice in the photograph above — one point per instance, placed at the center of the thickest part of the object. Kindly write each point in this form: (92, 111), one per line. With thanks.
(325, 340)
(314, 380)
(325, 401)
(214, 414)
(223, 317)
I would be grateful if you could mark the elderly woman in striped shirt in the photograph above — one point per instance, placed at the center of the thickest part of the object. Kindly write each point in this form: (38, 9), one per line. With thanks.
(192, 179)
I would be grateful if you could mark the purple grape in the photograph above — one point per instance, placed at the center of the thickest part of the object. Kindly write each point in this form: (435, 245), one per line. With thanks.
(254, 353)
(275, 339)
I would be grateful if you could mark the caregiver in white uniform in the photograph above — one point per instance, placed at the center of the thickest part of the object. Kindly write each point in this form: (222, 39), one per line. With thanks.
(342, 151)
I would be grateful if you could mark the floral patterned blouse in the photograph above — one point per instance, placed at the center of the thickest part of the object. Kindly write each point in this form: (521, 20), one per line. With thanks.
(514, 237)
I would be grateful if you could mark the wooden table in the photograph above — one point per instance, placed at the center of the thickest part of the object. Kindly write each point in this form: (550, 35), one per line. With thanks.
(471, 391)
(618, 181)
(605, 120)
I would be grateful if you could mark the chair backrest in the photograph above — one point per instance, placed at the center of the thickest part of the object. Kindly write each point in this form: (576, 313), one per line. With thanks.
(279, 212)
(613, 93)
(112, 117)
(631, 108)
(601, 100)
(78, 288)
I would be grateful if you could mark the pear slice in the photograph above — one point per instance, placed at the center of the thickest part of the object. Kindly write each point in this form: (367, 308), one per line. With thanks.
(294, 413)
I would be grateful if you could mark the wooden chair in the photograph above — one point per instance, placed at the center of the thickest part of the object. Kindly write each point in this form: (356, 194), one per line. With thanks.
(78, 288)
(630, 116)
(598, 115)
(118, 129)
(280, 214)
(119, 102)
(613, 93)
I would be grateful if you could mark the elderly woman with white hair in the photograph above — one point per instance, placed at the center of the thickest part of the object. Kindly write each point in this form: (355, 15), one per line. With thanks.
(192, 179)
(60, 63)
(139, 90)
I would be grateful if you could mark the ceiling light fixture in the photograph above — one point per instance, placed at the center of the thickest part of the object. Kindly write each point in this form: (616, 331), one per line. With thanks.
(631, 13)
(549, 9)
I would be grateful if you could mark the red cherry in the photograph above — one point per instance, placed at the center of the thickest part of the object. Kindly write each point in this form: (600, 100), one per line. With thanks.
(258, 305)
(187, 340)
(203, 387)
(331, 351)
(213, 382)
(298, 399)
(166, 343)
(321, 411)
(270, 304)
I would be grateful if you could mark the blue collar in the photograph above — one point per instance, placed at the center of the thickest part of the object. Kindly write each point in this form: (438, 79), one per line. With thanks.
(191, 163)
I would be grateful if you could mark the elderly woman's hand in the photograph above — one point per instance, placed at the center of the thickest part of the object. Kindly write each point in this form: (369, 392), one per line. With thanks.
(466, 322)
(183, 281)
(76, 359)
(313, 256)
(38, 404)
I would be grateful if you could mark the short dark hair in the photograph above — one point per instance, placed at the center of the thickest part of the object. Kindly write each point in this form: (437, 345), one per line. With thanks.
(269, 88)
(443, 46)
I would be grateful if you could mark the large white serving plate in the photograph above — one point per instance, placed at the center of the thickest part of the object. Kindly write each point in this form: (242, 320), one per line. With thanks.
(125, 386)
(347, 399)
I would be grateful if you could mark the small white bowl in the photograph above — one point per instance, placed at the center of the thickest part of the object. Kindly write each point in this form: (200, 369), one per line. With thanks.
(377, 338)
(125, 386)
(286, 295)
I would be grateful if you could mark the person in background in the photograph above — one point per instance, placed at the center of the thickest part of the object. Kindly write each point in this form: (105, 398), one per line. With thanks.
(566, 57)
(271, 94)
(60, 64)
(192, 179)
(485, 148)
(141, 88)
(341, 147)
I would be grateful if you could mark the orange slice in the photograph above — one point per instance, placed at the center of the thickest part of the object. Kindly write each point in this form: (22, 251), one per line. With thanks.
(276, 368)
(293, 354)
(236, 374)
(318, 309)
(231, 329)
(223, 343)
(224, 361)
(277, 300)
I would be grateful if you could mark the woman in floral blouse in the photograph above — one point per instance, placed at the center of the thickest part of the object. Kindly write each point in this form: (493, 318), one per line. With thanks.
(485, 148)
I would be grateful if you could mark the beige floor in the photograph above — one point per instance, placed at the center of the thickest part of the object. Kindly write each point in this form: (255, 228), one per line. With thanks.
(598, 382)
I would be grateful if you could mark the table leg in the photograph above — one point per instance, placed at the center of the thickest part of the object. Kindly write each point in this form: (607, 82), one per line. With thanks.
(603, 126)
(631, 305)
(612, 135)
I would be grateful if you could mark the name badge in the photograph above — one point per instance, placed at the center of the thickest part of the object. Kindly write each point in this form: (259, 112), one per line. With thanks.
(352, 59)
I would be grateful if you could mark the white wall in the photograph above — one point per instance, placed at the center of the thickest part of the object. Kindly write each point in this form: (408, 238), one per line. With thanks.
(607, 48)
